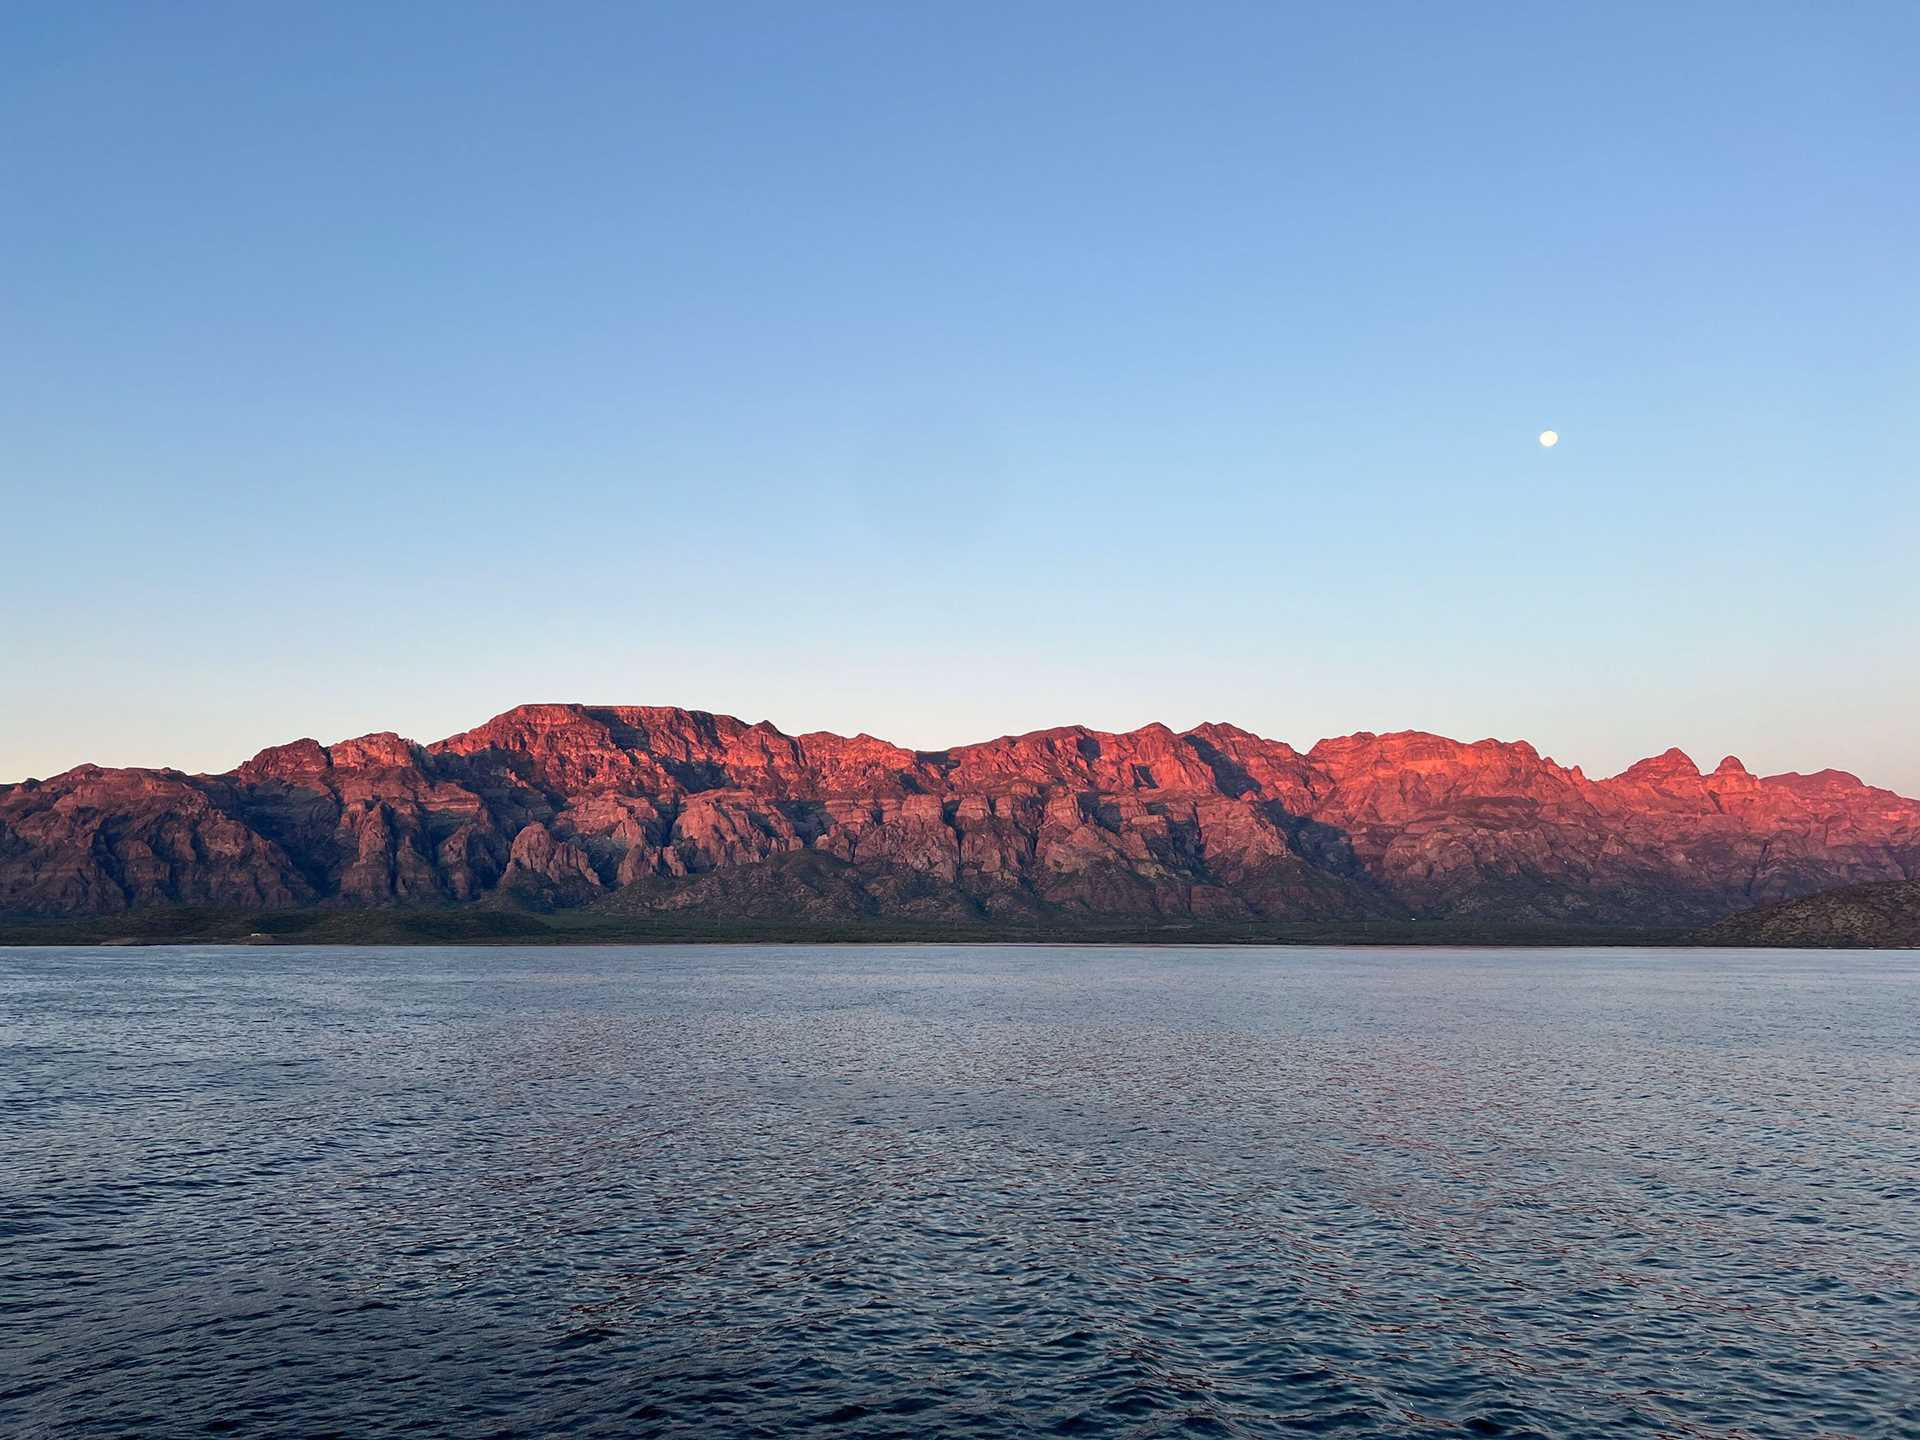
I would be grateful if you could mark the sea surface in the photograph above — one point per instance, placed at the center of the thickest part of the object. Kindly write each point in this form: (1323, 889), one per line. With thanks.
(946, 1191)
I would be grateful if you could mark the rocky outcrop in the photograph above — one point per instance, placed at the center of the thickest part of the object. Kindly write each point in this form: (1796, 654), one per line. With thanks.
(549, 871)
(95, 840)
(656, 808)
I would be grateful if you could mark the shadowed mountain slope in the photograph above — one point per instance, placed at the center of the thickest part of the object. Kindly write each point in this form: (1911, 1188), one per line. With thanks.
(1885, 916)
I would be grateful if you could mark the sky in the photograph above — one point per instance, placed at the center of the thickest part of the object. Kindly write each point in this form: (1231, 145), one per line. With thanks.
(949, 370)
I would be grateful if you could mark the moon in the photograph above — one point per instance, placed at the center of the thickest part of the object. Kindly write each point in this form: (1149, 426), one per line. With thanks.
(1549, 438)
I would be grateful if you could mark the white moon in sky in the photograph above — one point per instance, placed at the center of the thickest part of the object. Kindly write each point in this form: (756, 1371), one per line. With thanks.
(1549, 438)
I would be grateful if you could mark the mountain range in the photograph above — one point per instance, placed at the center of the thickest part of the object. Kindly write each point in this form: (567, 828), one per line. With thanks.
(662, 811)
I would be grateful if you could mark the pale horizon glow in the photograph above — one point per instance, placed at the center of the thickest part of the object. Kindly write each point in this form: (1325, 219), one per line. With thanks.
(951, 371)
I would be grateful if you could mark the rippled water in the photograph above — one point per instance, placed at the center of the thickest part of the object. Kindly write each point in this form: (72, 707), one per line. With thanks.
(969, 1190)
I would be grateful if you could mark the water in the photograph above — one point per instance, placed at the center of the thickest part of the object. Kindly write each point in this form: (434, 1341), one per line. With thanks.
(757, 1191)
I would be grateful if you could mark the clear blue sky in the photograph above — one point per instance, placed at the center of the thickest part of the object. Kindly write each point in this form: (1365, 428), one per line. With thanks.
(950, 369)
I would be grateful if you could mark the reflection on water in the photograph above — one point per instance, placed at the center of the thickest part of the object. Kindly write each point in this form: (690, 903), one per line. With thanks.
(967, 1190)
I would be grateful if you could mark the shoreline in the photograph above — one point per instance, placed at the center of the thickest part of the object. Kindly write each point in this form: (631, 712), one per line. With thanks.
(436, 928)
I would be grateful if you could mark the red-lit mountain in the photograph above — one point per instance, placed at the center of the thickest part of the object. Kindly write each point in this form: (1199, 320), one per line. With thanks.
(642, 809)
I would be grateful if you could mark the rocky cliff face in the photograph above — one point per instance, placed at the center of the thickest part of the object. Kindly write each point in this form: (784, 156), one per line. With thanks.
(666, 809)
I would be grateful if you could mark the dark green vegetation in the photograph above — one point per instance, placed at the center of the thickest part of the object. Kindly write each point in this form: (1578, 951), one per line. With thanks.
(451, 926)
(1883, 916)
(807, 898)
(1871, 917)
